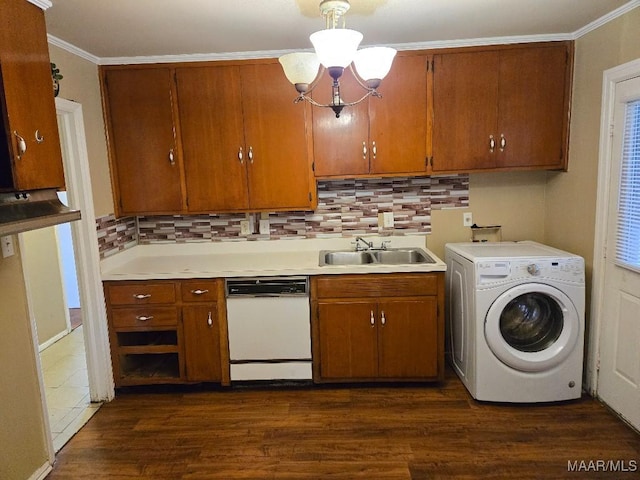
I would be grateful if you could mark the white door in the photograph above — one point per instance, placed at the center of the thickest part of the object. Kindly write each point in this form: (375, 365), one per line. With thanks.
(619, 376)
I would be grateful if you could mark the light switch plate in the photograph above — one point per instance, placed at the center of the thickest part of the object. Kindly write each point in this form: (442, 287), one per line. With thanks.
(245, 228)
(387, 220)
(7, 246)
(264, 227)
(467, 219)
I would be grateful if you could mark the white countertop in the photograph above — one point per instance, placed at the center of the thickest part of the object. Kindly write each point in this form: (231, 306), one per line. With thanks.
(250, 259)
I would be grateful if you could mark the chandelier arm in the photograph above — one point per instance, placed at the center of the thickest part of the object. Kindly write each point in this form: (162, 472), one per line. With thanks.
(303, 96)
(355, 75)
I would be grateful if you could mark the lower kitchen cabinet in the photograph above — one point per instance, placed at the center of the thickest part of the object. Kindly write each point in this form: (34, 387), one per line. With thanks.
(383, 327)
(167, 331)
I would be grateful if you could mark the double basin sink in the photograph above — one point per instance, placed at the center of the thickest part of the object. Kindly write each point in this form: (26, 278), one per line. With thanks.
(391, 256)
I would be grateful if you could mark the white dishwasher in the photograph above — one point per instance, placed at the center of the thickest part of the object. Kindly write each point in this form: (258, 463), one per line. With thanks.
(269, 328)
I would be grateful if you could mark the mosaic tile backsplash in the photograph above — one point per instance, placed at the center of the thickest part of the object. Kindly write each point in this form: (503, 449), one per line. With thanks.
(345, 208)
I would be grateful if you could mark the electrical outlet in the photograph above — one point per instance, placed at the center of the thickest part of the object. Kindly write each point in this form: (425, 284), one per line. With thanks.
(264, 227)
(467, 219)
(245, 227)
(7, 246)
(387, 219)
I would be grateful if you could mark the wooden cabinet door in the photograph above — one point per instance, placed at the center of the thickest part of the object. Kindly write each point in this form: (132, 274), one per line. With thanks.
(533, 106)
(340, 145)
(144, 155)
(408, 338)
(465, 110)
(210, 106)
(276, 141)
(28, 98)
(398, 132)
(201, 343)
(347, 332)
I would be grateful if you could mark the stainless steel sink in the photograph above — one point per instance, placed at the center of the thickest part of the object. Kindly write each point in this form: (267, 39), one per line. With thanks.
(345, 257)
(400, 256)
(391, 256)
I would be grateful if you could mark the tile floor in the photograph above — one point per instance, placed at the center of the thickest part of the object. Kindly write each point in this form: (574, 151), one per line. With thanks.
(64, 368)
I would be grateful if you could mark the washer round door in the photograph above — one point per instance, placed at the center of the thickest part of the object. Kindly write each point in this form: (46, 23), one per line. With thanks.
(532, 327)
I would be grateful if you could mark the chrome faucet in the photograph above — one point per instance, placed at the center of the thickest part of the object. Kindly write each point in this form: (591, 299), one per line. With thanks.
(367, 246)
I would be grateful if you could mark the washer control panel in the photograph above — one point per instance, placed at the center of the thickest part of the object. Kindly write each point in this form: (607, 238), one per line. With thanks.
(498, 271)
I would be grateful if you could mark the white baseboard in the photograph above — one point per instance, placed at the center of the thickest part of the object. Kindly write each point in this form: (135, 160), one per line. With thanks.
(41, 472)
(54, 339)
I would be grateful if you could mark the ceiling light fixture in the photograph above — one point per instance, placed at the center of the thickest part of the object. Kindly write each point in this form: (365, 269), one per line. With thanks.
(336, 48)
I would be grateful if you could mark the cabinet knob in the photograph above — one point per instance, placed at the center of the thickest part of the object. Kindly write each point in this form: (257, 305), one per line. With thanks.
(241, 156)
(374, 150)
(39, 137)
(144, 318)
(22, 145)
(503, 142)
(383, 319)
(250, 154)
(209, 320)
(199, 292)
(373, 319)
(364, 150)
(141, 296)
(172, 160)
(492, 143)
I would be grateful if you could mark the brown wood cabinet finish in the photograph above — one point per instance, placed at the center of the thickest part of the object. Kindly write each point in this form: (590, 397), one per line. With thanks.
(245, 142)
(501, 109)
(167, 331)
(28, 103)
(386, 327)
(380, 136)
(144, 151)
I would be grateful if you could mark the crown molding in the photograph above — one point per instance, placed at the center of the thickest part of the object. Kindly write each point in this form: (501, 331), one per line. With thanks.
(72, 49)
(194, 57)
(205, 57)
(627, 7)
(43, 4)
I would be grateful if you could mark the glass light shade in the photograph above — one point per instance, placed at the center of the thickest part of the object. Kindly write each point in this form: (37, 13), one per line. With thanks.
(336, 47)
(300, 67)
(374, 63)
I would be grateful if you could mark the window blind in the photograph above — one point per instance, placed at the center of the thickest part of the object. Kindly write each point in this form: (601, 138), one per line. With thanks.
(628, 231)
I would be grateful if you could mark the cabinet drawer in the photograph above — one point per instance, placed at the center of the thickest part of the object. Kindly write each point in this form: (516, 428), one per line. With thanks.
(142, 293)
(392, 285)
(144, 317)
(204, 290)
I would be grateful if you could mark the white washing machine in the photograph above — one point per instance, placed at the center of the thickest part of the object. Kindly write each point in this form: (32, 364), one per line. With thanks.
(515, 318)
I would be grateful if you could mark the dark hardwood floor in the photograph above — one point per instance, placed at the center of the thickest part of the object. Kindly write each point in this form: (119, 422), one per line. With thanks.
(346, 432)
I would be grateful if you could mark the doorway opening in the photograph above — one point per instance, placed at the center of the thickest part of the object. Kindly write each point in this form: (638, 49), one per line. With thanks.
(92, 334)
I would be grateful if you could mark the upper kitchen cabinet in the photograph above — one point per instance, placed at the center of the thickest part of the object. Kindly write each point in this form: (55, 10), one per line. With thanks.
(245, 143)
(143, 140)
(31, 157)
(380, 136)
(502, 109)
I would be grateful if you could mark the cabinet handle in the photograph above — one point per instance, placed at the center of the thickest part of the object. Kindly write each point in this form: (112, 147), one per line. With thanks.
(199, 292)
(492, 143)
(364, 150)
(374, 150)
(503, 142)
(383, 319)
(209, 320)
(172, 160)
(241, 156)
(22, 145)
(250, 154)
(373, 319)
(39, 137)
(143, 318)
(141, 296)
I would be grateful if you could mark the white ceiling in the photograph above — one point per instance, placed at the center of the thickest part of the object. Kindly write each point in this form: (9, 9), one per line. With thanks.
(115, 29)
